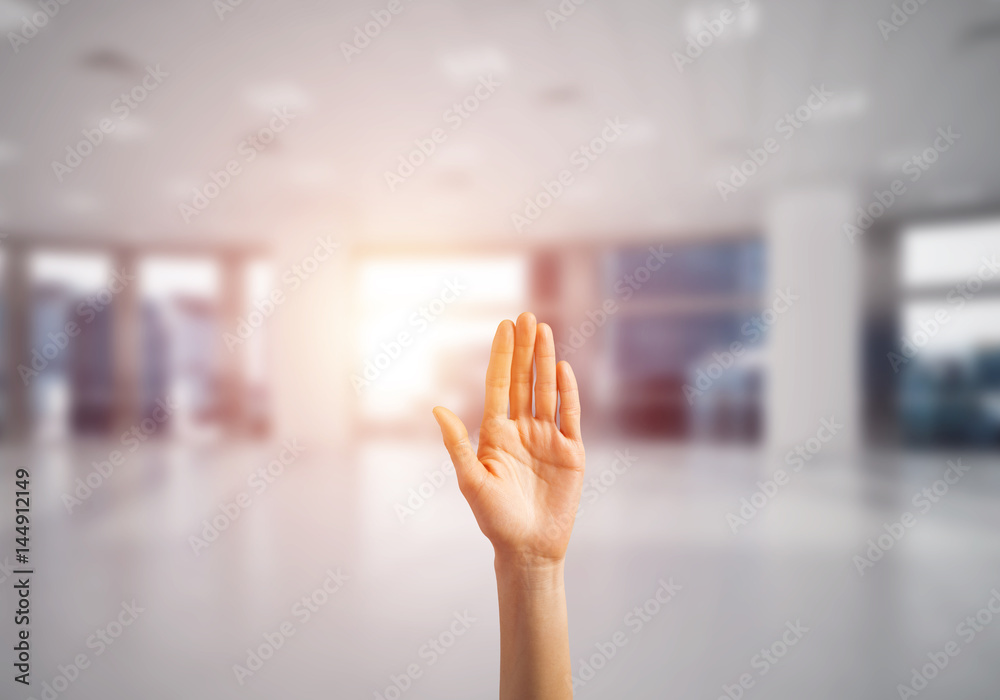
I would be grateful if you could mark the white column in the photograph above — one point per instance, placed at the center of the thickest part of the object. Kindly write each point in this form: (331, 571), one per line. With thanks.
(814, 349)
(310, 339)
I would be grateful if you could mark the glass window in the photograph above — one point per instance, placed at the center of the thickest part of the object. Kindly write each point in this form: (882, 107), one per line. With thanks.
(447, 309)
(948, 355)
(676, 326)
(724, 268)
(946, 254)
(180, 338)
(70, 340)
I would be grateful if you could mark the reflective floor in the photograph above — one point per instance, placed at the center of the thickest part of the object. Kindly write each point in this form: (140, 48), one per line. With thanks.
(329, 578)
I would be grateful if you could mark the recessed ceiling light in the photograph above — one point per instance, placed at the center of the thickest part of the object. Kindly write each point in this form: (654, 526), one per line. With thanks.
(459, 155)
(12, 14)
(131, 129)
(180, 187)
(80, 203)
(845, 104)
(697, 18)
(748, 19)
(312, 174)
(471, 64)
(692, 20)
(276, 96)
(639, 131)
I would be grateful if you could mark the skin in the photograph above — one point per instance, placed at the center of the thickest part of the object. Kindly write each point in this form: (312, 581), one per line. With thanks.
(524, 487)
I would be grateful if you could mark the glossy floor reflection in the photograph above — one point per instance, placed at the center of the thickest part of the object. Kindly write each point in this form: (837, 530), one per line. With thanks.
(419, 591)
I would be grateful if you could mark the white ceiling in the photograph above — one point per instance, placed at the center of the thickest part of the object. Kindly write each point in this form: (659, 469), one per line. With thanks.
(353, 120)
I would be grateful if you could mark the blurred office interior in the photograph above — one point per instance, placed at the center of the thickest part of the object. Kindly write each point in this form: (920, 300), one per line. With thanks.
(712, 334)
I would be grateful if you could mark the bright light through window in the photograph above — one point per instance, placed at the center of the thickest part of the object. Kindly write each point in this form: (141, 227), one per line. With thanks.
(166, 278)
(943, 255)
(77, 272)
(952, 257)
(449, 309)
(974, 328)
(387, 282)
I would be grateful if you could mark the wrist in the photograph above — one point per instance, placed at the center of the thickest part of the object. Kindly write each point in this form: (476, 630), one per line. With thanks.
(530, 571)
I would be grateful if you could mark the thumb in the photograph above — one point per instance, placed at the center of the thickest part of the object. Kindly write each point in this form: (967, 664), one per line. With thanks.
(469, 469)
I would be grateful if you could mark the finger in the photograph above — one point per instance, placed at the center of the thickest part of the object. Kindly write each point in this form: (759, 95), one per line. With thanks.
(545, 374)
(521, 368)
(498, 372)
(469, 469)
(569, 401)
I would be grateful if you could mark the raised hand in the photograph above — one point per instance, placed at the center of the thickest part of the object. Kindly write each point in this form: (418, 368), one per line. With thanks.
(524, 485)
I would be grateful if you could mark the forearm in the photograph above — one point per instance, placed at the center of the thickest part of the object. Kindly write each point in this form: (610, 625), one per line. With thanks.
(534, 630)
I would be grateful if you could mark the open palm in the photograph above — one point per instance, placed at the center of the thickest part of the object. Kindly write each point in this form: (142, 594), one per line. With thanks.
(524, 484)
